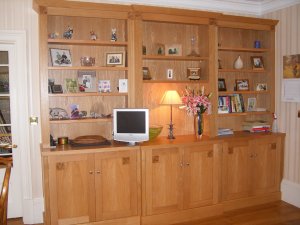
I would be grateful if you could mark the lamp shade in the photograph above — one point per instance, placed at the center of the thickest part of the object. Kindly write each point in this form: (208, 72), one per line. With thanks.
(171, 97)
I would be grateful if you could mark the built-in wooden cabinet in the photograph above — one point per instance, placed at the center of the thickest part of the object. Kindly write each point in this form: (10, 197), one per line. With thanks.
(179, 177)
(84, 188)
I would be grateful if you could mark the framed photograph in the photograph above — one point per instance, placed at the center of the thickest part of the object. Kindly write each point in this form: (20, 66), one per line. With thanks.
(261, 87)
(56, 89)
(146, 73)
(221, 84)
(104, 86)
(173, 50)
(193, 73)
(251, 104)
(123, 85)
(257, 62)
(115, 59)
(71, 85)
(242, 84)
(87, 81)
(169, 73)
(60, 57)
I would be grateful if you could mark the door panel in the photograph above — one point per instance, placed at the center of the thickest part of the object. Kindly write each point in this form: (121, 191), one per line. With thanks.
(116, 184)
(163, 180)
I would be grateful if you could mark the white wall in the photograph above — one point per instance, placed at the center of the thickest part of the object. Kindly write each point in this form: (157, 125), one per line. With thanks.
(19, 15)
(288, 43)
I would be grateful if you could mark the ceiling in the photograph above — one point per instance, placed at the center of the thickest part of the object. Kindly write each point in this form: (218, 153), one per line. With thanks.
(249, 7)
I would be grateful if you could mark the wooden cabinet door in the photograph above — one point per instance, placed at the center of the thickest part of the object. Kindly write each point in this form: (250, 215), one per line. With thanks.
(116, 184)
(162, 183)
(236, 170)
(266, 166)
(200, 179)
(71, 188)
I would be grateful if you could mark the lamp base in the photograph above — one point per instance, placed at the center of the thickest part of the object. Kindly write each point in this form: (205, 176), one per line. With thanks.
(171, 128)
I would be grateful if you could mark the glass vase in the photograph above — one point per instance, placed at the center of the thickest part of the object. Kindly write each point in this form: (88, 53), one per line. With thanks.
(198, 124)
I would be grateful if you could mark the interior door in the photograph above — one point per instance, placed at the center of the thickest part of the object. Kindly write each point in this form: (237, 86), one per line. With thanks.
(8, 120)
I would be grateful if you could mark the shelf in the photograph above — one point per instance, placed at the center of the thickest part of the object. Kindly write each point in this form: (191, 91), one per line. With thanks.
(108, 68)
(167, 57)
(244, 114)
(86, 42)
(242, 92)
(176, 81)
(85, 120)
(86, 94)
(241, 71)
(233, 49)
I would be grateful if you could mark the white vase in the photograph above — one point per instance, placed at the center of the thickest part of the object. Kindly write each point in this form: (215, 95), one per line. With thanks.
(238, 64)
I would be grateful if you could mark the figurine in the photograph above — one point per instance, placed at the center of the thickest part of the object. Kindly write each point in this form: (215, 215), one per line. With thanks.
(58, 113)
(93, 35)
(68, 34)
(114, 34)
(53, 35)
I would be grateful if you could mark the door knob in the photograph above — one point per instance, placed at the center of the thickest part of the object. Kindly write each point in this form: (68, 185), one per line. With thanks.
(8, 146)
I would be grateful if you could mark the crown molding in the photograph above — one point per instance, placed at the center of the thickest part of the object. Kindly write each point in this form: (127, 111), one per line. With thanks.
(253, 7)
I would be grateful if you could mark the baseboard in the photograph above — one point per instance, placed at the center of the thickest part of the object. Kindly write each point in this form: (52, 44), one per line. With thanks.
(290, 192)
(33, 210)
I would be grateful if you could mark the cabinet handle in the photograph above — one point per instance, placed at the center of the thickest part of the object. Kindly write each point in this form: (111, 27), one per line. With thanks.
(91, 172)
(125, 160)
(155, 159)
(60, 166)
(230, 150)
(210, 154)
(187, 164)
(98, 171)
(273, 146)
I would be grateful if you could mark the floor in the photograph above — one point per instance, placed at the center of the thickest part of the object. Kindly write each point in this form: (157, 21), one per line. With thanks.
(278, 213)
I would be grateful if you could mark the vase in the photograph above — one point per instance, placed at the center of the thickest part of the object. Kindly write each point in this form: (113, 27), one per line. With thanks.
(198, 124)
(238, 64)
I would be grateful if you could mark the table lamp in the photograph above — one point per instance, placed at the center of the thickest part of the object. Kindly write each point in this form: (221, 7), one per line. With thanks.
(171, 98)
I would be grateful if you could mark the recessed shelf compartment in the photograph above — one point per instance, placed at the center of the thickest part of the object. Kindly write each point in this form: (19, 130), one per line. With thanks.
(234, 49)
(241, 71)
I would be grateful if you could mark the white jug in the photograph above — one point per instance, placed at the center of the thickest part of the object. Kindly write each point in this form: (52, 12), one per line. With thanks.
(238, 64)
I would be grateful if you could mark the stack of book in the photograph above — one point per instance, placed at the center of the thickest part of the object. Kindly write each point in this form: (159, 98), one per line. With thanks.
(231, 104)
(256, 126)
(224, 131)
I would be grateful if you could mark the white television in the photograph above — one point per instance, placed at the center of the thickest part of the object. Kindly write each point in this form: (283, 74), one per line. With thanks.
(131, 125)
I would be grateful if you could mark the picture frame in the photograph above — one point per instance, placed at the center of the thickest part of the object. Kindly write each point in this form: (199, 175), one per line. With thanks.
(261, 87)
(173, 50)
(71, 85)
(193, 73)
(87, 81)
(60, 57)
(104, 86)
(221, 84)
(242, 84)
(123, 85)
(115, 59)
(169, 73)
(251, 106)
(257, 63)
(56, 89)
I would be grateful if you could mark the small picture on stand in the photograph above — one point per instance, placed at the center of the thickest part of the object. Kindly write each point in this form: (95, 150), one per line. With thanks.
(115, 59)
(251, 104)
(87, 81)
(104, 86)
(71, 85)
(257, 63)
(193, 73)
(221, 84)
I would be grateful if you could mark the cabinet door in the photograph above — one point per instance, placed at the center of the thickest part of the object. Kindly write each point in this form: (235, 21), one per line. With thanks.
(116, 184)
(163, 172)
(200, 179)
(71, 188)
(266, 165)
(236, 170)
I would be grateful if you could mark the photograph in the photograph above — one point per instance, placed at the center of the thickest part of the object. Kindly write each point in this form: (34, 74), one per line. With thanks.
(173, 50)
(193, 73)
(221, 84)
(257, 62)
(169, 73)
(71, 85)
(87, 81)
(251, 104)
(242, 85)
(115, 59)
(60, 57)
(261, 87)
(104, 86)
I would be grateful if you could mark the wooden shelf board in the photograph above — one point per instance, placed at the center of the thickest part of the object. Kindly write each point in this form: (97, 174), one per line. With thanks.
(242, 71)
(242, 92)
(176, 81)
(108, 68)
(86, 94)
(243, 49)
(86, 42)
(167, 57)
(244, 114)
(85, 120)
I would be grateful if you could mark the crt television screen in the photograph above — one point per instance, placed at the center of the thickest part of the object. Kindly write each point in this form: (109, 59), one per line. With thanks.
(131, 122)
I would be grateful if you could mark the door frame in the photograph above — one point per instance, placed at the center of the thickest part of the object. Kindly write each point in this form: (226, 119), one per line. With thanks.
(19, 92)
